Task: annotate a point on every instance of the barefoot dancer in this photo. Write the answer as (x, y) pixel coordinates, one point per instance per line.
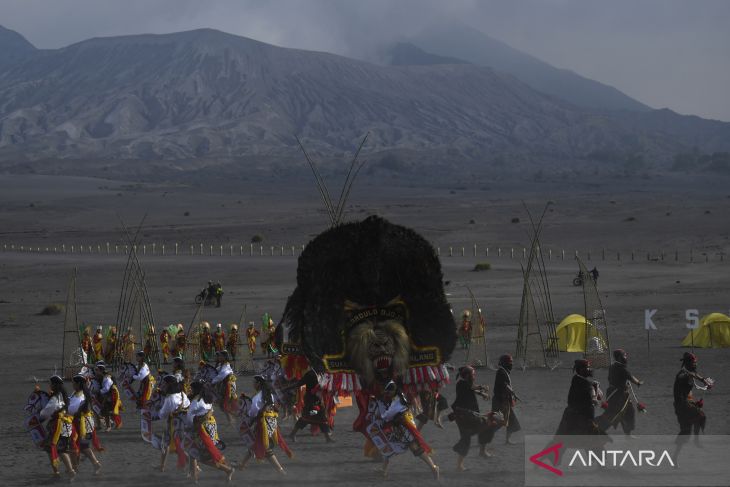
(584, 395)
(467, 417)
(620, 409)
(84, 431)
(111, 402)
(393, 414)
(174, 406)
(433, 404)
(262, 418)
(503, 399)
(58, 428)
(206, 444)
(690, 413)
(181, 374)
(225, 383)
(313, 412)
(146, 380)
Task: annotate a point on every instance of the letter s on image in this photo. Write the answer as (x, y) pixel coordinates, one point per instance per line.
(693, 320)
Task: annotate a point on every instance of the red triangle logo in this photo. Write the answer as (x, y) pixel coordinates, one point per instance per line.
(555, 450)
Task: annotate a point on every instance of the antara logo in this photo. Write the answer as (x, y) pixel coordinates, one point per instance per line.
(555, 450)
(620, 458)
(603, 458)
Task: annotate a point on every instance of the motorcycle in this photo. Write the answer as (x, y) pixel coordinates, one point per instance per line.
(578, 280)
(204, 295)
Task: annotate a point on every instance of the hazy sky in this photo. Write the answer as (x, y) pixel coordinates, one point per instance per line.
(665, 53)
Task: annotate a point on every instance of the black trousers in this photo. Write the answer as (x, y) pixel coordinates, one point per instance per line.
(513, 424)
(691, 419)
(468, 427)
(302, 423)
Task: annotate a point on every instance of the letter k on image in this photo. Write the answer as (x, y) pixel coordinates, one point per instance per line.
(555, 450)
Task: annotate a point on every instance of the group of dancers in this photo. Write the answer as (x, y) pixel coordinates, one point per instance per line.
(105, 345)
(68, 422)
(620, 403)
(390, 419)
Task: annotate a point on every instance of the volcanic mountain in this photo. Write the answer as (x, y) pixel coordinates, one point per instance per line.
(194, 98)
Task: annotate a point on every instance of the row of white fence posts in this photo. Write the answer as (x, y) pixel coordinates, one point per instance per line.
(253, 249)
(662, 256)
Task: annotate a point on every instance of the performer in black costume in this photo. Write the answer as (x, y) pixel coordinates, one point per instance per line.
(579, 416)
(690, 413)
(433, 404)
(504, 398)
(468, 420)
(314, 411)
(620, 408)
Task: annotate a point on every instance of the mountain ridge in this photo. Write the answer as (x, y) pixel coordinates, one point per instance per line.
(464, 42)
(206, 97)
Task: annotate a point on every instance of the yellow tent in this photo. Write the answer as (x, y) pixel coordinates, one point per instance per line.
(572, 334)
(713, 332)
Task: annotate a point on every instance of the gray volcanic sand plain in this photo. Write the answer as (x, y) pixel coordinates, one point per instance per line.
(46, 211)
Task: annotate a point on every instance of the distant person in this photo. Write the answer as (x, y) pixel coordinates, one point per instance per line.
(465, 330)
(232, 343)
(594, 274)
(218, 294)
(97, 342)
(219, 338)
(251, 334)
(180, 340)
(210, 292)
(165, 344)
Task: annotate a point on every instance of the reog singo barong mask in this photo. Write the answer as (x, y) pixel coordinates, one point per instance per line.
(369, 307)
